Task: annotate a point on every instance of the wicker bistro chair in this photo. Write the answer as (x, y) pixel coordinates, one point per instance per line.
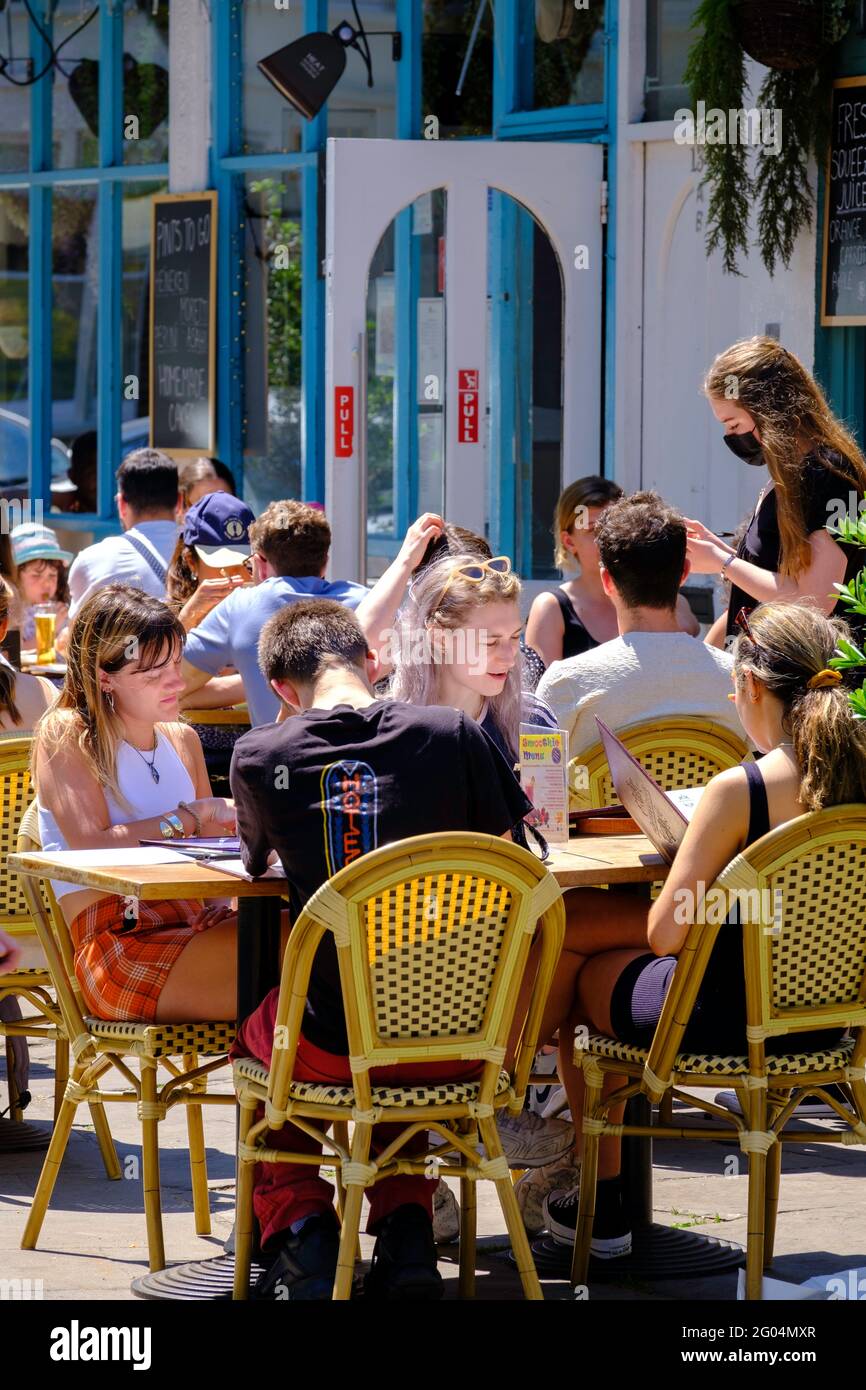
(678, 752)
(432, 936)
(805, 969)
(31, 983)
(97, 1045)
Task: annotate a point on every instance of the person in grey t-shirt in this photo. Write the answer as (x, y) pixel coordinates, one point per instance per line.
(290, 543)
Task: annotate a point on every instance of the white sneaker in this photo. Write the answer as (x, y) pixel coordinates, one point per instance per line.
(528, 1141)
(534, 1186)
(446, 1214)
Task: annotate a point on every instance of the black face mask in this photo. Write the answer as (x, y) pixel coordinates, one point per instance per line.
(745, 446)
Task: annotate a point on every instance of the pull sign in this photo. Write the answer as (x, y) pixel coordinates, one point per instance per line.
(467, 407)
(344, 421)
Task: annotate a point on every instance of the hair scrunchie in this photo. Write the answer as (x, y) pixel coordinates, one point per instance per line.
(824, 679)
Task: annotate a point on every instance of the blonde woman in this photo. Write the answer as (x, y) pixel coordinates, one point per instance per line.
(775, 416)
(113, 766)
(813, 754)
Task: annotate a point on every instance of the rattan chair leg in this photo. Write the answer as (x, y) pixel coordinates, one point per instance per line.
(771, 1201)
(757, 1202)
(513, 1218)
(341, 1137)
(666, 1108)
(50, 1168)
(110, 1160)
(468, 1222)
(586, 1204)
(150, 1166)
(197, 1160)
(361, 1139)
(15, 1110)
(244, 1208)
(61, 1073)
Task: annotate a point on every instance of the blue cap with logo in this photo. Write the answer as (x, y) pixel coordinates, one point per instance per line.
(217, 528)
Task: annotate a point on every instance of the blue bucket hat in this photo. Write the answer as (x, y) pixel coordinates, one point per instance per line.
(217, 528)
(30, 541)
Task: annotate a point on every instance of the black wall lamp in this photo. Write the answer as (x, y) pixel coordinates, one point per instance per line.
(307, 70)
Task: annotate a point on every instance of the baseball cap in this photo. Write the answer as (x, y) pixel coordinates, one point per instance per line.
(31, 541)
(217, 528)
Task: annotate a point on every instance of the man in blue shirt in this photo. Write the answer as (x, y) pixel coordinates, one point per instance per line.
(290, 543)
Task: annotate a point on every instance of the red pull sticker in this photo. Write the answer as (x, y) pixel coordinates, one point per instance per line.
(344, 421)
(467, 407)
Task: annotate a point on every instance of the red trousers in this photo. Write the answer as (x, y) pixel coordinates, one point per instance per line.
(286, 1192)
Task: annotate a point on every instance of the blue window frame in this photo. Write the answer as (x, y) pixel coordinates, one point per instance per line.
(108, 178)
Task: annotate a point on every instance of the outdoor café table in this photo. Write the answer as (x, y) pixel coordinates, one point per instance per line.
(593, 861)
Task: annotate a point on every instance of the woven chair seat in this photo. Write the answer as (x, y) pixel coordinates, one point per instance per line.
(29, 974)
(697, 1064)
(165, 1039)
(448, 1093)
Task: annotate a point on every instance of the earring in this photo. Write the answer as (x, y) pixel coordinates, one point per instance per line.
(109, 699)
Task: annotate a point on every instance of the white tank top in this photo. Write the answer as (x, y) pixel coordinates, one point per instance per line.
(144, 796)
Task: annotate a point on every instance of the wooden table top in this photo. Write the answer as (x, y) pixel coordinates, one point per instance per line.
(591, 860)
(238, 714)
(148, 881)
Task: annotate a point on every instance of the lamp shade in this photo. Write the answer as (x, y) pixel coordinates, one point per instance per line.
(306, 71)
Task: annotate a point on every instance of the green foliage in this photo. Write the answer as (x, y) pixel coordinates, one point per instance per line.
(779, 185)
(848, 531)
(275, 228)
(853, 595)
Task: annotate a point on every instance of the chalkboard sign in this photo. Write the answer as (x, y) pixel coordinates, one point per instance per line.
(183, 324)
(843, 298)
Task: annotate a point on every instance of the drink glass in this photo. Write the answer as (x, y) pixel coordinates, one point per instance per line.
(45, 616)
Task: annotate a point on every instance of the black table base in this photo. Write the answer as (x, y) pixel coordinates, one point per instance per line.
(199, 1280)
(658, 1252)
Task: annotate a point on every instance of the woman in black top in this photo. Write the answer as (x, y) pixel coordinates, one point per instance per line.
(578, 615)
(813, 755)
(775, 414)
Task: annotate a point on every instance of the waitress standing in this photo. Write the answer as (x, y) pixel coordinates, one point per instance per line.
(775, 415)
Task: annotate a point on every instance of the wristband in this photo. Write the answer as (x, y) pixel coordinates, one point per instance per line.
(171, 827)
(732, 556)
(196, 818)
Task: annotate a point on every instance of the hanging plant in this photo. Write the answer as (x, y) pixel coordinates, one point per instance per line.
(794, 39)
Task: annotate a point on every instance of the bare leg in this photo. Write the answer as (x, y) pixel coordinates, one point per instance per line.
(202, 983)
(596, 921)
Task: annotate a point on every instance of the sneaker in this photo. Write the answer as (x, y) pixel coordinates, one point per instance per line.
(611, 1234)
(446, 1214)
(813, 1107)
(528, 1141)
(305, 1266)
(404, 1258)
(534, 1186)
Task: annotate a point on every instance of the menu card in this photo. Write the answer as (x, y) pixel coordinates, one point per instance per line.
(543, 776)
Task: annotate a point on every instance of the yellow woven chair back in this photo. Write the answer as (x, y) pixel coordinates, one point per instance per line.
(16, 791)
(680, 751)
(54, 937)
(801, 896)
(432, 937)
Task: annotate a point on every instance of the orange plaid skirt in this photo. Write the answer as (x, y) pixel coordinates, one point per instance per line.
(122, 961)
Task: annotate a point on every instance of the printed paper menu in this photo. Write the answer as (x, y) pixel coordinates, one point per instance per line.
(543, 776)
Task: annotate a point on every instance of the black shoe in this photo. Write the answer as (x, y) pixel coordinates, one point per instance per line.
(404, 1258)
(611, 1229)
(305, 1265)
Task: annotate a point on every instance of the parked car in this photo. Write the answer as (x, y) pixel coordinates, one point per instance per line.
(15, 452)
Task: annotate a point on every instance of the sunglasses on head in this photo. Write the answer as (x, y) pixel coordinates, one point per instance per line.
(742, 622)
(475, 572)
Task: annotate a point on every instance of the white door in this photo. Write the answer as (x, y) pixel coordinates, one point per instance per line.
(369, 182)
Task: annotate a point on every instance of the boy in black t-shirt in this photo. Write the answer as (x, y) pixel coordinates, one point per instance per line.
(347, 774)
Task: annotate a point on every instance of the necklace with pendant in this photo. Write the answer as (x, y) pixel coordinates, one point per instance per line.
(149, 765)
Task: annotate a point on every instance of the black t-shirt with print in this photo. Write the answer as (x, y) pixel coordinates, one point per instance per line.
(325, 787)
(823, 492)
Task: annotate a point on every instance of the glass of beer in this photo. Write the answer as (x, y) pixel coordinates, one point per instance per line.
(45, 616)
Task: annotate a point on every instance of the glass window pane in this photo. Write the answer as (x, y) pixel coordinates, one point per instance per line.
(272, 339)
(354, 109)
(444, 46)
(562, 54)
(14, 335)
(14, 100)
(145, 82)
(75, 290)
(669, 38)
(75, 91)
(270, 124)
(135, 316)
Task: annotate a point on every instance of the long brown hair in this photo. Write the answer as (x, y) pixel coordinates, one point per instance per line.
(791, 412)
(62, 593)
(118, 625)
(791, 644)
(592, 491)
(7, 673)
(182, 578)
